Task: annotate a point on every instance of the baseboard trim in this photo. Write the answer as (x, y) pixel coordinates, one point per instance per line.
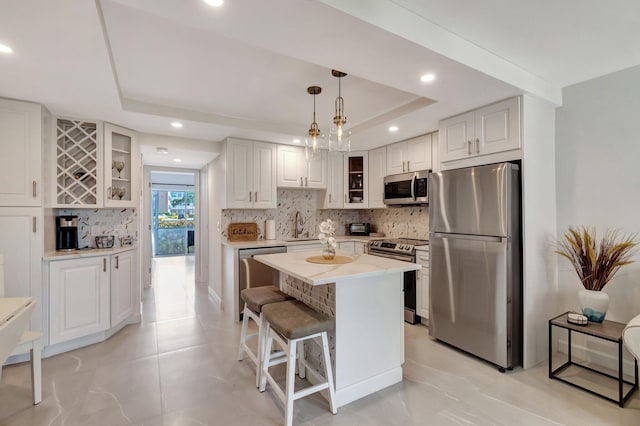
(214, 297)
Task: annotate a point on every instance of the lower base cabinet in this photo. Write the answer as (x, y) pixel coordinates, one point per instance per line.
(422, 284)
(123, 273)
(78, 298)
(91, 295)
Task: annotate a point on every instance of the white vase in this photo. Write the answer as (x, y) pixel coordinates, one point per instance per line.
(594, 304)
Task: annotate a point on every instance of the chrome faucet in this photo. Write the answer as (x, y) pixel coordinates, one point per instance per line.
(297, 222)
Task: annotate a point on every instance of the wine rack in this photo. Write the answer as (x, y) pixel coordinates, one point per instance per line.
(78, 146)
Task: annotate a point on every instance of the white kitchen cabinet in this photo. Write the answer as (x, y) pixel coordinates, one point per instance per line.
(79, 298)
(123, 286)
(409, 156)
(422, 283)
(21, 142)
(356, 180)
(121, 167)
(360, 248)
(295, 170)
(21, 244)
(377, 172)
(251, 174)
(488, 130)
(303, 247)
(347, 246)
(333, 197)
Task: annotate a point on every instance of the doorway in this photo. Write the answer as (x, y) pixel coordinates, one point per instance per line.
(171, 213)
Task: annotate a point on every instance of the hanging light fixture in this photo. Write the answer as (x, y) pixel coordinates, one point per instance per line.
(340, 135)
(314, 140)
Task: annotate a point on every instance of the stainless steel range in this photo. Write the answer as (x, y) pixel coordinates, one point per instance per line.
(401, 249)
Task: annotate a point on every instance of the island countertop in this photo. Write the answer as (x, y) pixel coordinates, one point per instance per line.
(363, 265)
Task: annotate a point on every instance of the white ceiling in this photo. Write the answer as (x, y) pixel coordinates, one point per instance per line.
(242, 70)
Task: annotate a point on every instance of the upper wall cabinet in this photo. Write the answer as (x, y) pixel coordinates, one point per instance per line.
(122, 167)
(410, 155)
(92, 165)
(333, 197)
(251, 175)
(21, 135)
(296, 171)
(356, 180)
(489, 130)
(77, 164)
(377, 169)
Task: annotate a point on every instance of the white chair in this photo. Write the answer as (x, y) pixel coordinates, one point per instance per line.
(14, 340)
(631, 337)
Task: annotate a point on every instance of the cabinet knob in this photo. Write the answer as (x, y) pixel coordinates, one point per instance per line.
(469, 147)
(329, 198)
(306, 182)
(408, 167)
(477, 146)
(34, 225)
(250, 197)
(35, 191)
(104, 264)
(255, 198)
(117, 262)
(301, 181)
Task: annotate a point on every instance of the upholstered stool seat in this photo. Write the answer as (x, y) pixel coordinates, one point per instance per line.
(290, 324)
(254, 300)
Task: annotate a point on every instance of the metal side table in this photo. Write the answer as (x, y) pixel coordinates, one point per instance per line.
(607, 330)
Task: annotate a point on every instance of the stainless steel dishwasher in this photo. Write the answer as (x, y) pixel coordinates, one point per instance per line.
(268, 275)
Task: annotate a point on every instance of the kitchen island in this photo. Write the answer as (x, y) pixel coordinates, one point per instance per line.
(365, 297)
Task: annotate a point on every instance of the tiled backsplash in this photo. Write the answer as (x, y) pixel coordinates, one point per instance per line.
(116, 222)
(411, 222)
(398, 222)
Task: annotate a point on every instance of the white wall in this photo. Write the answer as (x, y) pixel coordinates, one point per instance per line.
(598, 173)
(538, 227)
(216, 172)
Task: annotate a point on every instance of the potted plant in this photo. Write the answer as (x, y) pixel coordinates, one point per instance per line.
(596, 262)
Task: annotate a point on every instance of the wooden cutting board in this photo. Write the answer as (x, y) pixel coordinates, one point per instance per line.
(242, 231)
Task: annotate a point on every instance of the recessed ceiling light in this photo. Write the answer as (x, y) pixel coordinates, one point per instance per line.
(5, 49)
(177, 160)
(296, 141)
(162, 150)
(214, 3)
(393, 128)
(176, 125)
(427, 77)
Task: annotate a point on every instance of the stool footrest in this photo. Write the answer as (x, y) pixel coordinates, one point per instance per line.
(311, 389)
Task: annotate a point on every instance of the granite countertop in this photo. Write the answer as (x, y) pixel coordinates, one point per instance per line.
(310, 240)
(91, 252)
(363, 265)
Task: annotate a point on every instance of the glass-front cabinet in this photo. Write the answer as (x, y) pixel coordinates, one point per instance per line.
(121, 158)
(356, 169)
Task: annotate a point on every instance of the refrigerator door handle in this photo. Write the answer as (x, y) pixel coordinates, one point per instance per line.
(489, 239)
(414, 179)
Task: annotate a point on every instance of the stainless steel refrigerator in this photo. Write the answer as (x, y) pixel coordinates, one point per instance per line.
(476, 261)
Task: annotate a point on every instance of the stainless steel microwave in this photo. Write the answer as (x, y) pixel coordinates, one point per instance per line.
(406, 188)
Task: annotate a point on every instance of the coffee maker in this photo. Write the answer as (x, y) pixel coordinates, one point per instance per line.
(66, 233)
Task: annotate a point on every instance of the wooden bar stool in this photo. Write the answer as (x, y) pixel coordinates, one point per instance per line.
(290, 324)
(254, 299)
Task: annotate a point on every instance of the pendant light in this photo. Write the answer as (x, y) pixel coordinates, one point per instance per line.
(339, 135)
(314, 140)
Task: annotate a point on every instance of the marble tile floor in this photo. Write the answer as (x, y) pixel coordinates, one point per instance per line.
(178, 367)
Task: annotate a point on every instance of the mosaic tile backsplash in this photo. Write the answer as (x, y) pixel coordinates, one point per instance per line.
(410, 222)
(117, 222)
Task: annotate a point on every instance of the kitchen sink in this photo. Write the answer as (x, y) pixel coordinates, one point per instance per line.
(293, 240)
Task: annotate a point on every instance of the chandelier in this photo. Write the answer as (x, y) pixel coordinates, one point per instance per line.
(339, 135)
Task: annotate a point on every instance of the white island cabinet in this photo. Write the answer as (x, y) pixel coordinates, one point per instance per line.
(366, 299)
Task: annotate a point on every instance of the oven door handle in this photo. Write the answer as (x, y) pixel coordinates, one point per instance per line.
(414, 181)
(392, 256)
